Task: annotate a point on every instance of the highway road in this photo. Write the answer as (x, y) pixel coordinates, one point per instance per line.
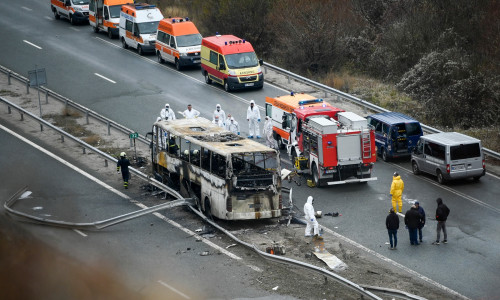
(137, 88)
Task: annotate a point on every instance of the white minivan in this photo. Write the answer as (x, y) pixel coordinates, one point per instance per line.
(449, 155)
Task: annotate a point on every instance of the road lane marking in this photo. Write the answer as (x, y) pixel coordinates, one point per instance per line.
(80, 233)
(173, 289)
(75, 29)
(26, 8)
(108, 187)
(49, 18)
(31, 44)
(105, 78)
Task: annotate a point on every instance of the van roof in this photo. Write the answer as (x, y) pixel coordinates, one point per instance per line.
(393, 118)
(227, 44)
(115, 2)
(450, 138)
(178, 27)
(134, 8)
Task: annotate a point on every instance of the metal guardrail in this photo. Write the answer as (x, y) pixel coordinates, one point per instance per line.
(355, 100)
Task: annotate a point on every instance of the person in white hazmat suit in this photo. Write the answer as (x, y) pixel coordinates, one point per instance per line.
(268, 134)
(311, 218)
(190, 112)
(253, 118)
(233, 126)
(167, 113)
(220, 114)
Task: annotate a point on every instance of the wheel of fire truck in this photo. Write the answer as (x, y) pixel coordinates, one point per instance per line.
(208, 209)
(139, 50)
(414, 167)
(110, 33)
(440, 177)
(227, 88)
(158, 56)
(56, 14)
(384, 155)
(207, 78)
(315, 174)
(178, 64)
(124, 44)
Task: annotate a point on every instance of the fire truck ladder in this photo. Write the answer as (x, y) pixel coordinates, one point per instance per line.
(366, 144)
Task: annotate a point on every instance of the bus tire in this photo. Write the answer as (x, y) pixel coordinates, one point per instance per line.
(124, 43)
(207, 78)
(178, 64)
(315, 174)
(208, 209)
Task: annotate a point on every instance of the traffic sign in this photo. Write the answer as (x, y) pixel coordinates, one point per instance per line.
(133, 135)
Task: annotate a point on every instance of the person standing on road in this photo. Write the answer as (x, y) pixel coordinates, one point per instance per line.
(392, 225)
(253, 118)
(167, 113)
(412, 221)
(268, 133)
(442, 212)
(232, 125)
(422, 222)
(219, 115)
(311, 222)
(123, 163)
(190, 112)
(397, 188)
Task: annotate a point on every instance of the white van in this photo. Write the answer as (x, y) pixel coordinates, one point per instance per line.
(76, 11)
(449, 155)
(104, 15)
(138, 26)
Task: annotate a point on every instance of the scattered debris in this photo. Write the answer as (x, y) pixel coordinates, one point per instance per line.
(276, 288)
(333, 214)
(204, 253)
(208, 235)
(332, 261)
(198, 230)
(37, 208)
(232, 245)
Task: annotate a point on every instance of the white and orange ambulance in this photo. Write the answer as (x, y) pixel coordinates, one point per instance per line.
(231, 62)
(105, 15)
(138, 26)
(75, 10)
(178, 41)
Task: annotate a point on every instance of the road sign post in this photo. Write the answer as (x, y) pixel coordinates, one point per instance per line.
(133, 136)
(37, 77)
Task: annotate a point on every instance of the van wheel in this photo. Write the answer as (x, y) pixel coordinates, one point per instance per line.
(177, 65)
(440, 177)
(160, 59)
(124, 44)
(110, 34)
(56, 14)
(208, 210)
(139, 50)
(476, 178)
(315, 175)
(207, 79)
(226, 86)
(384, 155)
(95, 28)
(279, 141)
(415, 168)
(72, 20)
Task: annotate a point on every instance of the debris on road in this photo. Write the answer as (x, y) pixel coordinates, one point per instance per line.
(232, 245)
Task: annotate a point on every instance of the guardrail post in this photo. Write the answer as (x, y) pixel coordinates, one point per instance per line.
(326, 94)
(338, 98)
(46, 96)
(106, 163)
(130, 143)
(265, 70)
(288, 79)
(27, 87)
(41, 127)
(109, 128)
(8, 77)
(22, 117)
(83, 150)
(62, 138)
(8, 110)
(65, 103)
(87, 116)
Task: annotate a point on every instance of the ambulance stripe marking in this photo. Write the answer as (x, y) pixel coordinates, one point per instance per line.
(99, 75)
(32, 44)
(26, 8)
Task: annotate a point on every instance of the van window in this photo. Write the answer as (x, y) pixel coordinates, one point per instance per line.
(147, 27)
(386, 128)
(92, 6)
(114, 11)
(242, 60)
(160, 36)
(172, 42)
(269, 110)
(221, 61)
(213, 57)
(128, 25)
(106, 13)
(189, 40)
(435, 150)
(378, 127)
(465, 151)
(413, 129)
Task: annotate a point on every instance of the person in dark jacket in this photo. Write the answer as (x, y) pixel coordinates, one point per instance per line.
(392, 225)
(412, 221)
(422, 223)
(442, 213)
(124, 163)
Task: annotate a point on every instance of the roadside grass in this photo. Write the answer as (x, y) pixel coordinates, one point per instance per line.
(172, 11)
(112, 150)
(8, 93)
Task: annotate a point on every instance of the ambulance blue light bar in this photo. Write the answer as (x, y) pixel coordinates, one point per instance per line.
(305, 102)
(144, 6)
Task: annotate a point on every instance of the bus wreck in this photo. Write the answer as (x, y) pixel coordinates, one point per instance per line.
(230, 177)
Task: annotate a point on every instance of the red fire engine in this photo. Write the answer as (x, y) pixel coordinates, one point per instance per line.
(334, 146)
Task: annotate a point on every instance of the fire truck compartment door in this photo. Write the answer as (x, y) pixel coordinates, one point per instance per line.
(349, 149)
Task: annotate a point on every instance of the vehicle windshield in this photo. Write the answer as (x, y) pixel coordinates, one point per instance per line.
(254, 169)
(242, 60)
(148, 27)
(114, 11)
(189, 40)
(80, 2)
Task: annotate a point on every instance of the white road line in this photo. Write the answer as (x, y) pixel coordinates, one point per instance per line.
(209, 243)
(278, 87)
(79, 232)
(173, 289)
(26, 8)
(29, 43)
(49, 18)
(75, 29)
(99, 75)
(492, 175)
(396, 264)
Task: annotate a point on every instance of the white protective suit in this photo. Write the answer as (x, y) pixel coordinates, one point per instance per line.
(218, 112)
(233, 126)
(191, 114)
(218, 121)
(310, 218)
(167, 113)
(268, 134)
(253, 117)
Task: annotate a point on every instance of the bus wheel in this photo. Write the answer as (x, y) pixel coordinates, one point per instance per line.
(56, 14)
(124, 44)
(139, 50)
(208, 209)
(178, 64)
(226, 86)
(315, 175)
(207, 79)
(384, 155)
(440, 177)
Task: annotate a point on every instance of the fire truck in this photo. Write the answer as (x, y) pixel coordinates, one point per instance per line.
(332, 145)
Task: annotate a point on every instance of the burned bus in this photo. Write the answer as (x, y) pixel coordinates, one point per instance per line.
(230, 177)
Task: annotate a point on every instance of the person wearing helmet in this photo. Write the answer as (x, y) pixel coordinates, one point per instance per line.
(397, 188)
(123, 163)
(253, 118)
(190, 112)
(220, 115)
(167, 113)
(311, 219)
(173, 148)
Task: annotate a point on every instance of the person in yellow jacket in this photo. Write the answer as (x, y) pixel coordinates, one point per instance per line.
(397, 188)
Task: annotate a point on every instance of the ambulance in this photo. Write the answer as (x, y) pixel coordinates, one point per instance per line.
(138, 26)
(105, 15)
(178, 41)
(231, 62)
(75, 10)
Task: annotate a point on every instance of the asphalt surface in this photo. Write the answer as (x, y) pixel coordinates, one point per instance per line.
(72, 55)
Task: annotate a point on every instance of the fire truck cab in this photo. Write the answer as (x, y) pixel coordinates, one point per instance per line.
(334, 146)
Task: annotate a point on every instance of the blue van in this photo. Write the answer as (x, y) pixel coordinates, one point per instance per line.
(396, 134)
